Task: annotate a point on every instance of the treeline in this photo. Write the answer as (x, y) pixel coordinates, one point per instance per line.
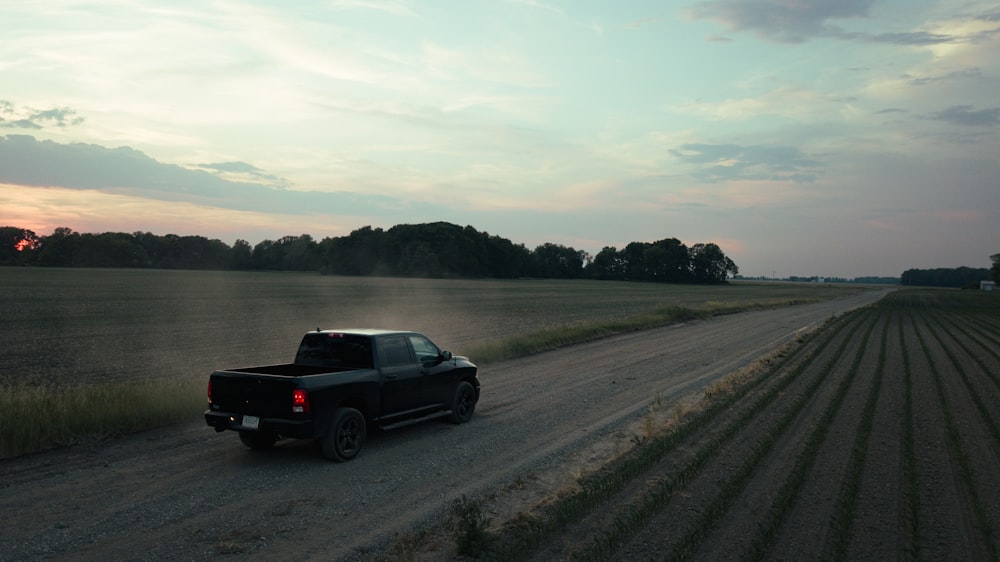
(868, 280)
(945, 277)
(424, 250)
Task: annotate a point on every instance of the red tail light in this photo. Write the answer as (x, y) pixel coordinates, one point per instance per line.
(209, 392)
(300, 401)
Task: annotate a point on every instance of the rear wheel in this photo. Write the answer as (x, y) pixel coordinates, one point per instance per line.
(258, 439)
(346, 435)
(463, 405)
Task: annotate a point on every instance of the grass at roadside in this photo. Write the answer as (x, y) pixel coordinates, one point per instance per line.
(546, 340)
(33, 418)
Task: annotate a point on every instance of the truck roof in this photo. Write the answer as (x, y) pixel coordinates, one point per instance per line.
(362, 331)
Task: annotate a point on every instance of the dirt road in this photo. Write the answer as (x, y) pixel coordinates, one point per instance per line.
(187, 493)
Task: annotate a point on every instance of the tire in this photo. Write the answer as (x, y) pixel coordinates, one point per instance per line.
(463, 405)
(346, 435)
(257, 440)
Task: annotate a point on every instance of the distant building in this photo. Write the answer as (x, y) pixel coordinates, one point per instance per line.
(987, 286)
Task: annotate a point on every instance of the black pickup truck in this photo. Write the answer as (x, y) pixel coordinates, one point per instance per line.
(341, 383)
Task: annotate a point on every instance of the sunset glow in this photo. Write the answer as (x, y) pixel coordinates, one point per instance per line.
(844, 139)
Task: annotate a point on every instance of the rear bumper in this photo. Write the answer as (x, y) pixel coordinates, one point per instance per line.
(299, 429)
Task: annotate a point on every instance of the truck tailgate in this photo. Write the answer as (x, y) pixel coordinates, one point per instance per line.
(254, 394)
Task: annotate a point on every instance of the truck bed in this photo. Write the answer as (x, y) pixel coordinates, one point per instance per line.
(290, 370)
(266, 391)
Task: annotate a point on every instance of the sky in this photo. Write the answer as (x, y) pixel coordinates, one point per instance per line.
(836, 138)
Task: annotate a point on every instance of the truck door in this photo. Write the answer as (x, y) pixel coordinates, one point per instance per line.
(400, 374)
(438, 382)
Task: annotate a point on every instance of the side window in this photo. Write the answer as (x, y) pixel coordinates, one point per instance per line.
(425, 350)
(395, 351)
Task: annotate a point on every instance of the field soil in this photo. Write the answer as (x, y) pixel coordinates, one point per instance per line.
(876, 440)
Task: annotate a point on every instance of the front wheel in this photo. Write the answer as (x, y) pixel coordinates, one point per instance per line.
(346, 435)
(463, 405)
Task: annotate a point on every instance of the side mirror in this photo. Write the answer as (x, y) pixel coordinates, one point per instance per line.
(445, 355)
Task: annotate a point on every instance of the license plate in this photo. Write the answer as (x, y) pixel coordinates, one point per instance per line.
(251, 422)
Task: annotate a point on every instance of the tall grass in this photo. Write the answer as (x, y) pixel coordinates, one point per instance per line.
(42, 416)
(554, 338)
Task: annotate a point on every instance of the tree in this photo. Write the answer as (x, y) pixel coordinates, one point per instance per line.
(668, 261)
(57, 249)
(16, 245)
(607, 264)
(241, 256)
(290, 253)
(438, 249)
(944, 277)
(558, 262)
(710, 265)
(300, 254)
(633, 262)
(359, 253)
(505, 259)
(108, 249)
(995, 269)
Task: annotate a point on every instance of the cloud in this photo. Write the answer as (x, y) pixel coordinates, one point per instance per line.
(243, 171)
(785, 21)
(13, 118)
(911, 38)
(238, 167)
(965, 73)
(966, 115)
(780, 20)
(993, 16)
(59, 116)
(126, 171)
(721, 162)
(18, 124)
(787, 101)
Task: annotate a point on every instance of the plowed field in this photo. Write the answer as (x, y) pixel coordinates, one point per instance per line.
(878, 438)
